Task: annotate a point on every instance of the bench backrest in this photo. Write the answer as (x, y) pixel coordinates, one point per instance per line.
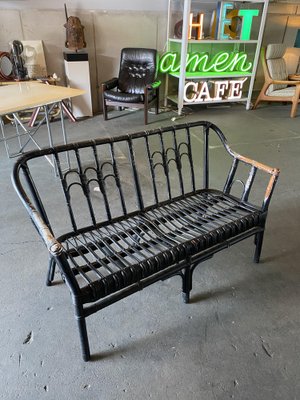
(116, 176)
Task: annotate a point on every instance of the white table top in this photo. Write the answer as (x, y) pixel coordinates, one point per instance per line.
(24, 95)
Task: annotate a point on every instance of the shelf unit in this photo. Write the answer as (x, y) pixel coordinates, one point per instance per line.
(183, 46)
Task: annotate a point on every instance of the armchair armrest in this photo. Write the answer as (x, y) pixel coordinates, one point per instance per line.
(111, 84)
(294, 77)
(154, 85)
(278, 82)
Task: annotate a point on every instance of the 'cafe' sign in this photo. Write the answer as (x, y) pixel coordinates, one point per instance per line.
(197, 92)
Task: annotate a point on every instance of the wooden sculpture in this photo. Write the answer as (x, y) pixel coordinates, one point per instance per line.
(74, 33)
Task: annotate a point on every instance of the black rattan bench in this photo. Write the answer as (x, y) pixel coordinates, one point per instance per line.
(139, 208)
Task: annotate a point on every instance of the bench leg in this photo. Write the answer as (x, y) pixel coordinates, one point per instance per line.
(187, 276)
(51, 271)
(258, 245)
(84, 341)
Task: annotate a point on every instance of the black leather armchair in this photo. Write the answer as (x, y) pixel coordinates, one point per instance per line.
(136, 86)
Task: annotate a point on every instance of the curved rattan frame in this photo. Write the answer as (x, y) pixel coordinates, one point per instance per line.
(182, 213)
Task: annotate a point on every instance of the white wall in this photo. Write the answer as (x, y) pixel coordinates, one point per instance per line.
(106, 33)
(141, 5)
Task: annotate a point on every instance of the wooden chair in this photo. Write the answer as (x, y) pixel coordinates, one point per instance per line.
(277, 87)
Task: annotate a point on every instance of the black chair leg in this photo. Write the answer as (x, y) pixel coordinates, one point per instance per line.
(104, 110)
(146, 114)
(258, 246)
(146, 105)
(51, 272)
(187, 276)
(157, 102)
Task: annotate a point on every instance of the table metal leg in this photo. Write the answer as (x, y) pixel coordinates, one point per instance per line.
(63, 128)
(4, 137)
(31, 130)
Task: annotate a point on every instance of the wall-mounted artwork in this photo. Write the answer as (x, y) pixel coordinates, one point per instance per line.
(33, 54)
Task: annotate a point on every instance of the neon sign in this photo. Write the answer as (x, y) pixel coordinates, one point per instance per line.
(247, 22)
(197, 92)
(201, 62)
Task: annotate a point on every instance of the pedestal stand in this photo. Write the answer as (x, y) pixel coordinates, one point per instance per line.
(78, 76)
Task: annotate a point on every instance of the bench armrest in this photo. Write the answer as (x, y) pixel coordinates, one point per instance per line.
(54, 247)
(274, 172)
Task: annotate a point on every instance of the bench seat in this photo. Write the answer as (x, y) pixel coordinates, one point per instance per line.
(122, 253)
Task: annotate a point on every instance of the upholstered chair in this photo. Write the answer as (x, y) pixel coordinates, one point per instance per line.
(277, 86)
(136, 86)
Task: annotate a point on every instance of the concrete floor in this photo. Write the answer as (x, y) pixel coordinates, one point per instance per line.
(239, 337)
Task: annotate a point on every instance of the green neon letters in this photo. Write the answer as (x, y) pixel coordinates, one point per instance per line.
(202, 62)
(225, 20)
(247, 22)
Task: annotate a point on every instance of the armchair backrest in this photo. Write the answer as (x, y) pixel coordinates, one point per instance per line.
(276, 64)
(137, 69)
